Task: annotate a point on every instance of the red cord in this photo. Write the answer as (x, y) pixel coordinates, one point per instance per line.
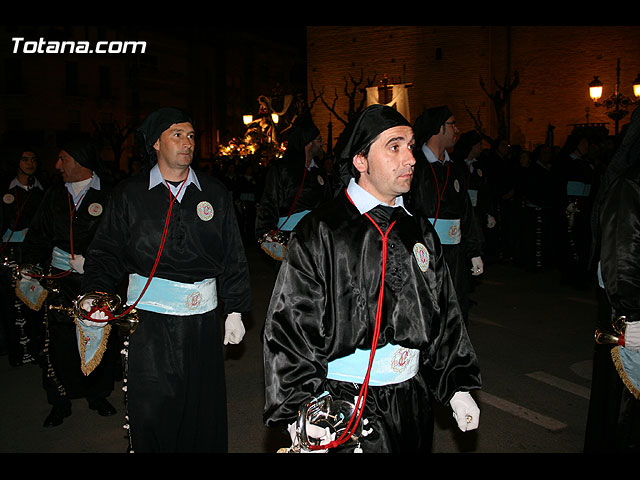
(155, 265)
(440, 194)
(362, 395)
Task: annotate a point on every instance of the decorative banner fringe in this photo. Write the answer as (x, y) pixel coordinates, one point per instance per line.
(88, 365)
(620, 367)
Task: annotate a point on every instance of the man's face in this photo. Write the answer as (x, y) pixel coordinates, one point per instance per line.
(71, 170)
(175, 146)
(449, 132)
(387, 171)
(315, 146)
(28, 163)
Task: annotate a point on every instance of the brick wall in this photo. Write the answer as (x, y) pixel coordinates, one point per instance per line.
(445, 65)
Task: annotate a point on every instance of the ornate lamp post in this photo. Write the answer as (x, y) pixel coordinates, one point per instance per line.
(617, 103)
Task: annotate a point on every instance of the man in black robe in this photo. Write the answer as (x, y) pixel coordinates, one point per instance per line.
(363, 277)
(613, 421)
(295, 184)
(178, 279)
(20, 200)
(439, 193)
(58, 236)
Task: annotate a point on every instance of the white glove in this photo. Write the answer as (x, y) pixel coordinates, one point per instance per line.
(233, 329)
(313, 431)
(97, 315)
(491, 221)
(632, 336)
(477, 267)
(465, 411)
(77, 263)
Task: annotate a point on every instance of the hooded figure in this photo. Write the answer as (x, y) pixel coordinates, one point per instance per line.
(364, 278)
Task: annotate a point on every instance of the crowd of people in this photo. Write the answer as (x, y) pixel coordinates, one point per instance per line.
(420, 196)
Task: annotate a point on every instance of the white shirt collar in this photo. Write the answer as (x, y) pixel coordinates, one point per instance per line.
(16, 183)
(432, 156)
(77, 197)
(365, 202)
(155, 178)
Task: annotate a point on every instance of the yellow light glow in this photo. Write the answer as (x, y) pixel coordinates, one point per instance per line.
(595, 89)
(275, 118)
(247, 119)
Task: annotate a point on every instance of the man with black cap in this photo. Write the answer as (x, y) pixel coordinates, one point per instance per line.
(439, 193)
(57, 240)
(174, 234)
(20, 199)
(364, 313)
(295, 184)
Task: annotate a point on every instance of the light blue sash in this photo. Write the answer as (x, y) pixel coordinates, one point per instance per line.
(448, 230)
(391, 364)
(474, 196)
(173, 298)
(287, 225)
(17, 236)
(60, 259)
(578, 189)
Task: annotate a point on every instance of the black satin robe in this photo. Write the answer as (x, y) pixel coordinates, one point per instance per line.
(283, 180)
(21, 324)
(613, 423)
(323, 307)
(456, 203)
(176, 385)
(51, 227)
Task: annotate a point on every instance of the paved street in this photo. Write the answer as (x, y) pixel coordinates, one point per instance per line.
(533, 337)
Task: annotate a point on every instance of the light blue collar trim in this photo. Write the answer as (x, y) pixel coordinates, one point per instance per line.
(365, 202)
(155, 178)
(431, 157)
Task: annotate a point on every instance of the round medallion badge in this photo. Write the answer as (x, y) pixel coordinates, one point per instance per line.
(95, 209)
(422, 256)
(320, 180)
(8, 198)
(205, 211)
(456, 185)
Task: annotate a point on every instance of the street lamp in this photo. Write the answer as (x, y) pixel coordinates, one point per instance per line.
(617, 103)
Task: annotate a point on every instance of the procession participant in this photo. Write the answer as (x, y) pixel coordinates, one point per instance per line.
(59, 235)
(364, 278)
(613, 421)
(439, 193)
(179, 278)
(20, 199)
(295, 184)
